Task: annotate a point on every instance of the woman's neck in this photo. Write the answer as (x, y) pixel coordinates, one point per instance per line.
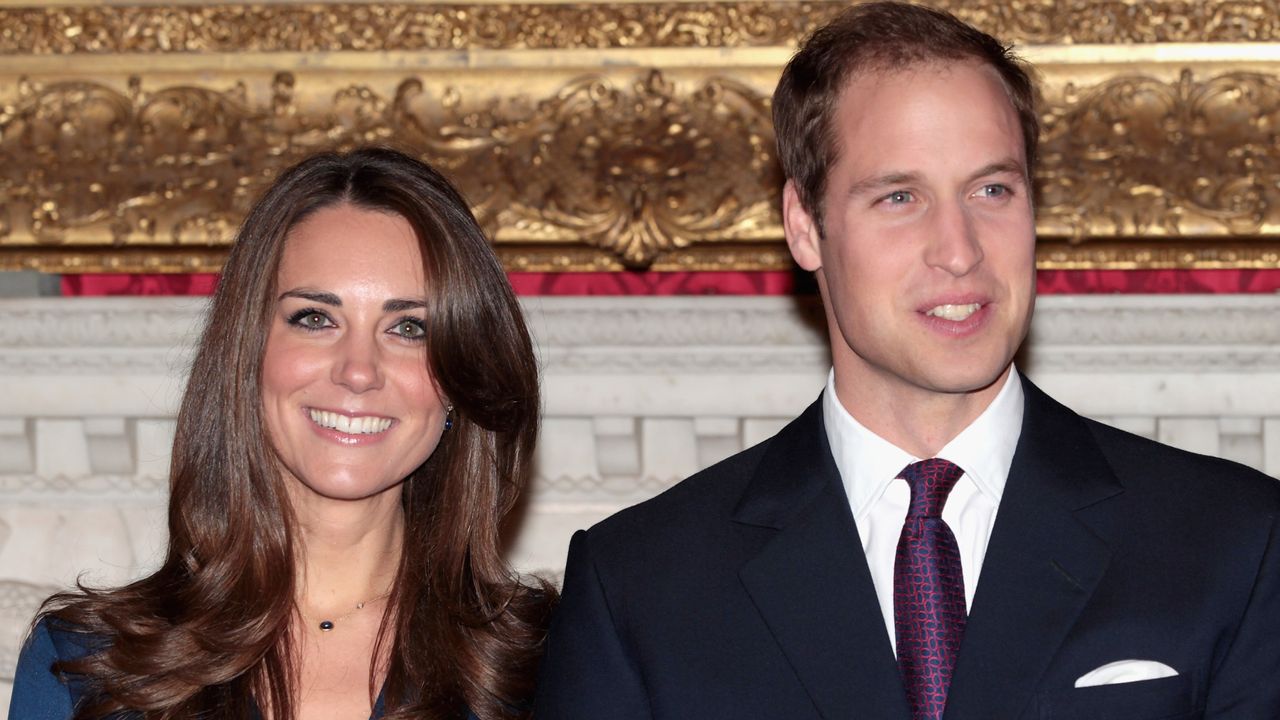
(349, 551)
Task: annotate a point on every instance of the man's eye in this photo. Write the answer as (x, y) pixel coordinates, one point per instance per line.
(409, 328)
(994, 191)
(898, 197)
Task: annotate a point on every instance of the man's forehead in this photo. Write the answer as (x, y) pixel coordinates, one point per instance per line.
(899, 120)
(874, 75)
(888, 88)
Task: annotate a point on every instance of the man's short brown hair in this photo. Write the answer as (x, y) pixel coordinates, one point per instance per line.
(876, 36)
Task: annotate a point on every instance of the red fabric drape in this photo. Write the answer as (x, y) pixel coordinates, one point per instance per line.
(1049, 282)
(139, 284)
(1156, 282)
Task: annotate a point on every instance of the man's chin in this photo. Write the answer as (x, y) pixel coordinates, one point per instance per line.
(964, 381)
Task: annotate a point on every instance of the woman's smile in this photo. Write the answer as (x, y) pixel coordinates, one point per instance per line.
(349, 424)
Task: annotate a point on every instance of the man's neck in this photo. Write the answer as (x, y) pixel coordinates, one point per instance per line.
(914, 419)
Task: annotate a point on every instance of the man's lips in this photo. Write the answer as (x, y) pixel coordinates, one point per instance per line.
(955, 307)
(956, 313)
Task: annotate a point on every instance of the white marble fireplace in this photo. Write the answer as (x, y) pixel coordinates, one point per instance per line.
(639, 392)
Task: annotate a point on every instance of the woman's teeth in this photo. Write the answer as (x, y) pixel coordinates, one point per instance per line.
(954, 312)
(367, 425)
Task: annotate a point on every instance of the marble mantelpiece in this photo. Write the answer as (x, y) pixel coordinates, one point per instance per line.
(639, 392)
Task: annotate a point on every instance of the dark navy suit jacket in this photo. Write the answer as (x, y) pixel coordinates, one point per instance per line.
(743, 592)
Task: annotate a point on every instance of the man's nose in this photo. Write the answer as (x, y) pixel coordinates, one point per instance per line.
(357, 362)
(954, 245)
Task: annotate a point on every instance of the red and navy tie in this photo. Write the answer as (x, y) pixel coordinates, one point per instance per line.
(928, 590)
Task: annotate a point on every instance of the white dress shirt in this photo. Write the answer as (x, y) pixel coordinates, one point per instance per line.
(869, 466)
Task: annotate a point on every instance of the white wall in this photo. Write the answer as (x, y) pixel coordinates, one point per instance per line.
(639, 392)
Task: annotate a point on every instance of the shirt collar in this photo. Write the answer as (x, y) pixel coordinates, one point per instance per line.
(868, 463)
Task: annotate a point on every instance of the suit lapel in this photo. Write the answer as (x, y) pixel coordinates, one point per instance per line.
(1048, 550)
(811, 583)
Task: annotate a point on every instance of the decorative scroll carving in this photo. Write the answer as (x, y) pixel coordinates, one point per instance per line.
(1137, 255)
(148, 486)
(227, 27)
(1135, 156)
(636, 169)
(645, 144)
(82, 154)
(644, 169)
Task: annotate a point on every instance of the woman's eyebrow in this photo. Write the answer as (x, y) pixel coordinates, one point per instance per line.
(402, 304)
(313, 295)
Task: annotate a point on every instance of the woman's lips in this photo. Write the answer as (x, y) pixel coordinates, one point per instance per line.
(355, 425)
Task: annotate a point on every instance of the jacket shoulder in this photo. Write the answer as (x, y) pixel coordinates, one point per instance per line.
(704, 497)
(1147, 466)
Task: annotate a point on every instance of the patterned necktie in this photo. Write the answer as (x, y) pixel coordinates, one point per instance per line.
(928, 590)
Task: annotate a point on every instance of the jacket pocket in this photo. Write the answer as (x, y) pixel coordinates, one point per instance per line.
(1161, 699)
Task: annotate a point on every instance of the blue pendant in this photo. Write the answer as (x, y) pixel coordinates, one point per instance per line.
(326, 625)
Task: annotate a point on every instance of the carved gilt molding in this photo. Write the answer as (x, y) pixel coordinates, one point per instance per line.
(643, 141)
(334, 27)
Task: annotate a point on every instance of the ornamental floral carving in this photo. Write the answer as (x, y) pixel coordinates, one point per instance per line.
(634, 166)
(360, 27)
(1136, 156)
(637, 169)
(80, 154)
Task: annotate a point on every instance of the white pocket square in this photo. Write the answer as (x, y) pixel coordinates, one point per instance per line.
(1125, 671)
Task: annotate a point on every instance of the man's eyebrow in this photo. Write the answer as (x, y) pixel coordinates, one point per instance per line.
(313, 295)
(403, 304)
(881, 182)
(891, 179)
(1007, 166)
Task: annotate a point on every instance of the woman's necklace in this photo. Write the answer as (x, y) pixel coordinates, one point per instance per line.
(327, 625)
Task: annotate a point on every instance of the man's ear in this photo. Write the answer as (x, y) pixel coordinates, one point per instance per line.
(801, 230)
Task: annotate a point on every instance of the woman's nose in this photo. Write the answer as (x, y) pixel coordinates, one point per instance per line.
(357, 365)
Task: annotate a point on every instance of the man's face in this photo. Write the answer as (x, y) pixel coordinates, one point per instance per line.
(927, 268)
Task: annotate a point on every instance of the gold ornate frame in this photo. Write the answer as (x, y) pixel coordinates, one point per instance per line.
(600, 136)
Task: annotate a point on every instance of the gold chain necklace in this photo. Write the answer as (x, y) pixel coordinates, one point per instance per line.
(327, 625)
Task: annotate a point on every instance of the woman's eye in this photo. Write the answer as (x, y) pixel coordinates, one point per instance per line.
(310, 320)
(409, 328)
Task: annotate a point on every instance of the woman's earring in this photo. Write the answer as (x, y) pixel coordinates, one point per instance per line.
(448, 417)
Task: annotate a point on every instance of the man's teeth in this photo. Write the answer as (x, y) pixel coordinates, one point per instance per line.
(954, 312)
(367, 425)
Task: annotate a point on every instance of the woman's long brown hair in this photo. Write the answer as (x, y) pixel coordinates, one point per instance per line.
(207, 635)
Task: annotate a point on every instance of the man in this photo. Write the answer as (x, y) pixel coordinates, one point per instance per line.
(934, 534)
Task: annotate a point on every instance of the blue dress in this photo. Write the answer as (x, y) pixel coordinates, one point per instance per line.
(38, 694)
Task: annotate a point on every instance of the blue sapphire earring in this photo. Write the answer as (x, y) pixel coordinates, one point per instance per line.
(448, 418)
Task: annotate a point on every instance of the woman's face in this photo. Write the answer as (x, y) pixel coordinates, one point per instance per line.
(348, 401)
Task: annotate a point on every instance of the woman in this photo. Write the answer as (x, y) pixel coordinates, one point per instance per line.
(358, 420)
